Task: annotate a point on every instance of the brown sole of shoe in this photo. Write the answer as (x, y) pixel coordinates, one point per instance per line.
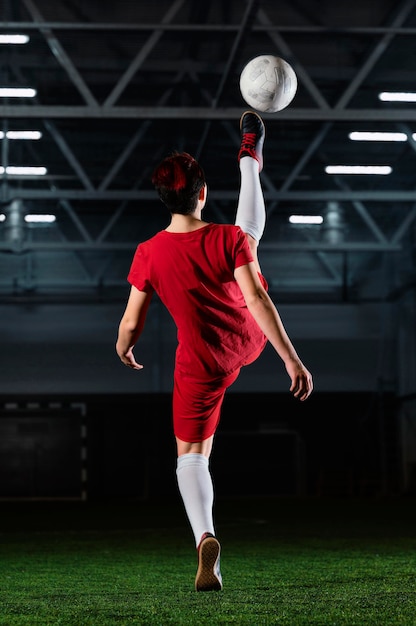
(209, 554)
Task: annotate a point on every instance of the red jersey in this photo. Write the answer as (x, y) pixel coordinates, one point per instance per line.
(193, 275)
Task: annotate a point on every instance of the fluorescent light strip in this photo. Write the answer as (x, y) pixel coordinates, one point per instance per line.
(19, 39)
(35, 218)
(21, 134)
(14, 170)
(40, 219)
(379, 170)
(306, 219)
(376, 136)
(397, 96)
(17, 92)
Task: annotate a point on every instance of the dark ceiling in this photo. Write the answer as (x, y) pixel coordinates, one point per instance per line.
(120, 84)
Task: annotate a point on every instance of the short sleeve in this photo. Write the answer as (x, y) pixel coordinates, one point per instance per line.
(243, 254)
(138, 275)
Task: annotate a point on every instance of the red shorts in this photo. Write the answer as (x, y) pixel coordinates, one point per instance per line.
(197, 406)
(197, 403)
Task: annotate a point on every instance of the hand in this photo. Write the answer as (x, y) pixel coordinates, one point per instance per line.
(302, 383)
(129, 360)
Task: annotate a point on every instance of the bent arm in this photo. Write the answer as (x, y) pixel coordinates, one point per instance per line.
(267, 317)
(131, 326)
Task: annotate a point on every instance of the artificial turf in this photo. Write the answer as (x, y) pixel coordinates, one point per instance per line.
(285, 561)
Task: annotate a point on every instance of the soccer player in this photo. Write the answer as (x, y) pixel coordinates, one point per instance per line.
(208, 276)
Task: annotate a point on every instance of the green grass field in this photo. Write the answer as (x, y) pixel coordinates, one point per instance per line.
(284, 561)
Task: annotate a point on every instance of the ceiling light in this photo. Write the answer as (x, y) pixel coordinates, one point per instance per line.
(19, 39)
(14, 170)
(306, 219)
(397, 96)
(17, 92)
(37, 218)
(359, 169)
(377, 136)
(21, 134)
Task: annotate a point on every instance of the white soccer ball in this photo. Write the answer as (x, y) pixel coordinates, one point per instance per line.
(268, 83)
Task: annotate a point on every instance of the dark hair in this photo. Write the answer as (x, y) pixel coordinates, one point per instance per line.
(178, 179)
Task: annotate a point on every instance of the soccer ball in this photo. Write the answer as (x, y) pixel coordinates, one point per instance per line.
(268, 83)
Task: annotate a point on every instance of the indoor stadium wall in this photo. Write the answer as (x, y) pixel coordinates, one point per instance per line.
(58, 364)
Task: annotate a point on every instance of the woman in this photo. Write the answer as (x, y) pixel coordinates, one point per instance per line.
(208, 276)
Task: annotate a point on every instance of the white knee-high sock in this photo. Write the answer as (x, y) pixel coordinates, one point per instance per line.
(251, 212)
(196, 489)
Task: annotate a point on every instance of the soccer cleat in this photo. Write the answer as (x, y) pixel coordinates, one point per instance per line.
(252, 137)
(208, 576)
